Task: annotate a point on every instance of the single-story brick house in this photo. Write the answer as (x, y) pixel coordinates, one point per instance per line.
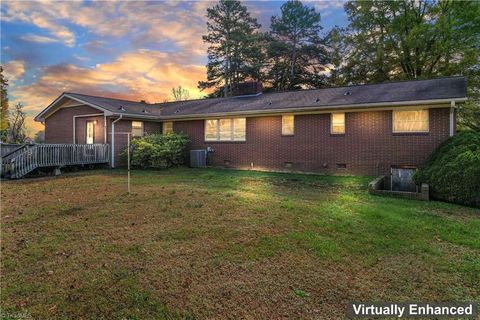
(359, 129)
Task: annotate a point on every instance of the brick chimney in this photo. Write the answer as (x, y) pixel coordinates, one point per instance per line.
(248, 88)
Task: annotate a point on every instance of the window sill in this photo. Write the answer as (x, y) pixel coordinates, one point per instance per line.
(337, 134)
(288, 135)
(219, 142)
(410, 133)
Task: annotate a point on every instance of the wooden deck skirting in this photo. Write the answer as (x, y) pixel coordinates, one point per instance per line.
(30, 157)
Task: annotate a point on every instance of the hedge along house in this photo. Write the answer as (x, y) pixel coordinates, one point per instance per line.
(360, 129)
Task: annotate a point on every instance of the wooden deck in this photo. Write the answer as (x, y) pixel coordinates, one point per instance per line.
(30, 157)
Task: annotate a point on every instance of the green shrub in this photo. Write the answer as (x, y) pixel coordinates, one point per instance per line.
(159, 150)
(453, 170)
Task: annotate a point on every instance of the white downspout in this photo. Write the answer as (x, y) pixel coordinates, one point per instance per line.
(113, 140)
(74, 133)
(104, 129)
(452, 116)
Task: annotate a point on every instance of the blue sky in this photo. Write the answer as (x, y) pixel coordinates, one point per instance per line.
(132, 50)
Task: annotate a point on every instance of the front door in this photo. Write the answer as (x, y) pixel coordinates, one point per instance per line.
(90, 132)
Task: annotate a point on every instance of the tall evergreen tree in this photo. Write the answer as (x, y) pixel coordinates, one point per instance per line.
(411, 39)
(296, 52)
(234, 53)
(335, 43)
(4, 123)
(408, 39)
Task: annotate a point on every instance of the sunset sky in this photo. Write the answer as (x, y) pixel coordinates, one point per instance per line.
(131, 50)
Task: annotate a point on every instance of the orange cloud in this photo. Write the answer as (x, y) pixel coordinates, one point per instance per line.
(139, 74)
(143, 74)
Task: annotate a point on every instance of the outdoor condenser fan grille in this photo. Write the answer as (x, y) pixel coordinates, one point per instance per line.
(198, 158)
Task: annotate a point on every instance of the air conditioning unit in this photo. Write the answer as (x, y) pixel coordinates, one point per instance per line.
(198, 158)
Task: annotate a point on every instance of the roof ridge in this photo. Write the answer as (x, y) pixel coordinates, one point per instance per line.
(370, 84)
(168, 103)
(313, 89)
(103, 97)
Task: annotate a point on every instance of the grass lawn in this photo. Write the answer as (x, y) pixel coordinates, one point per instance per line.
(217, 244)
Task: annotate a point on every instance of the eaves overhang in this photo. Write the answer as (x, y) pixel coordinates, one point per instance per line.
(320, 109)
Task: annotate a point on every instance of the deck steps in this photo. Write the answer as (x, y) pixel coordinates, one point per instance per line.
(22, 161)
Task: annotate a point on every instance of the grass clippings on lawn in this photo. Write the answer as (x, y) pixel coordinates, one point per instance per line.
(216, 244)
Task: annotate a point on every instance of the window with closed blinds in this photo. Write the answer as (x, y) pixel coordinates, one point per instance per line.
(167, 127)
(137, 128)
(239, 126)
(410, 121)
(211, 130)
(338, 123)
(288, 125)
(226, 129)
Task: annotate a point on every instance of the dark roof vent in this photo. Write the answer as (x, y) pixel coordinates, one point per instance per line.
(318, 99)
(347, 93)
(121, 108)
(177, 111)
(270, 102)
(144, 111)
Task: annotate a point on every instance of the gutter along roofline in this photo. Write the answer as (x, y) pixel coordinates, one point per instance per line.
(262, 112)
(319, 109)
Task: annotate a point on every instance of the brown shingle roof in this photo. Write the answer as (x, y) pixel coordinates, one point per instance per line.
(328, 98)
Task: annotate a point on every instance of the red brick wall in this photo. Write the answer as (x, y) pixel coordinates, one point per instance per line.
(122, 127)
(59, 129)
(59, 126)
(368, 146)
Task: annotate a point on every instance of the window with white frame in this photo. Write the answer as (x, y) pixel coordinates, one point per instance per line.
(167, 127)
(137, 128)
(337, 123)
(410, 121)
(225, 129)
(288, 125)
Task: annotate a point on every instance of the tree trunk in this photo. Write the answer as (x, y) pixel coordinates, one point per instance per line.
(292, 67)
(225, 90)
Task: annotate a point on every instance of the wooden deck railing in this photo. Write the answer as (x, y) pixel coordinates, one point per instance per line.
(54, 155)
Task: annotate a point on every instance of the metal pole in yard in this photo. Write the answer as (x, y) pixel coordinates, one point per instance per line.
(128, 161)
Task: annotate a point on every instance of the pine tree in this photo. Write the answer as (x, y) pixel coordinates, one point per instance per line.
(392, 40)
(296, 51)
(411, 39)
(234, 53)
(336, 52)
